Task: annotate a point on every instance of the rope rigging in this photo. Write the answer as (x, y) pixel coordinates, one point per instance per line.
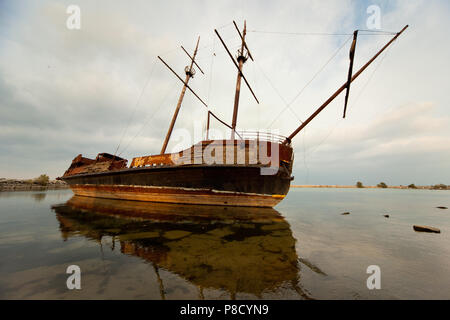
(185, 84)
(146, 121)
(369, 32)
(354, 104)
(136, 105)
(339, 121)
(213, 47)
(288, 105)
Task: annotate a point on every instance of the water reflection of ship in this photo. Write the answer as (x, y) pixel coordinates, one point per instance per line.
(238, 250)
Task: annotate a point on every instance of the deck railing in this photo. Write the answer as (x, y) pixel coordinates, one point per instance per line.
(192, 153)
(259, 135)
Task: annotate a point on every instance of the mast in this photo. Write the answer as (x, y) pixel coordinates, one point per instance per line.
(241, 59)
(342, 88)
(189, 74)
(350, 69)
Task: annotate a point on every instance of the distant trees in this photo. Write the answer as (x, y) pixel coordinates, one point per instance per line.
(439, 187)
(383, 185)
(42, 180)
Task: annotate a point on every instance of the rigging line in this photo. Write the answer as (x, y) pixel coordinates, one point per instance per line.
(376, 34)
(380, 32)
(136, 105)
(210, 76)
(354, 102)
(152, 115)
(170, 51)
(183, 81)
(218, 53)
(221, 121)
(309, 82)
(146, 121)
(255, 80)
(327, 136)
(224, 123)
(320, 70)
(211, 69)
(212, 43)
(372, 74)
(275, 89)
(303, 33)
(271, 84)
(206, 45)
(199, 48)
(225, 25)
(304, 158)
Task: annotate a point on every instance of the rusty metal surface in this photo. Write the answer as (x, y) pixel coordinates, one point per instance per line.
(102, 163)
(195, 154)
(177, 195)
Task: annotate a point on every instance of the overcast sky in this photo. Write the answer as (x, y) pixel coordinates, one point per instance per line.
(65, 92)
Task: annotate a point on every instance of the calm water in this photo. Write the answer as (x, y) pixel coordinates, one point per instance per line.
(305, 249)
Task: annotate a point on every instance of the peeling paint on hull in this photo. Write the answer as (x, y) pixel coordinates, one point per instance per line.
(177, 195)
(209, 185)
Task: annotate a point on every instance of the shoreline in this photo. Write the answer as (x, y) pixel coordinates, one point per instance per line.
(7, 185)
(28, 185)
(368, 187)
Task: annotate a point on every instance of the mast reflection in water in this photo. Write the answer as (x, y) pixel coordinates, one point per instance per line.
(232, 249)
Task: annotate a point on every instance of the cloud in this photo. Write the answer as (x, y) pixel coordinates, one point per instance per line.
(407, 141)
(65, 92)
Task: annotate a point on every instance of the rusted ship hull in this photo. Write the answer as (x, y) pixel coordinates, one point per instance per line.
(233, 173)
(212, 172)
(202, 184)
(259, 175)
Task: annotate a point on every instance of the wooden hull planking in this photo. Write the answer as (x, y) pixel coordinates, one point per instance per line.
(177, 195)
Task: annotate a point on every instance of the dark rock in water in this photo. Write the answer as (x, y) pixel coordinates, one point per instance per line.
(386, 215)
(442, 207)
(426, 229)
(345, 213)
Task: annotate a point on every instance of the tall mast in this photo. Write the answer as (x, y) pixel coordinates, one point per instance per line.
(241, 60)
(189, 74)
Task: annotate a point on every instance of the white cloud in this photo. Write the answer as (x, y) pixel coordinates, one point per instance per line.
(67, 92)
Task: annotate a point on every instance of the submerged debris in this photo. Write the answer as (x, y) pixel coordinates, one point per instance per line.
(426, 229)
(311, 266)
